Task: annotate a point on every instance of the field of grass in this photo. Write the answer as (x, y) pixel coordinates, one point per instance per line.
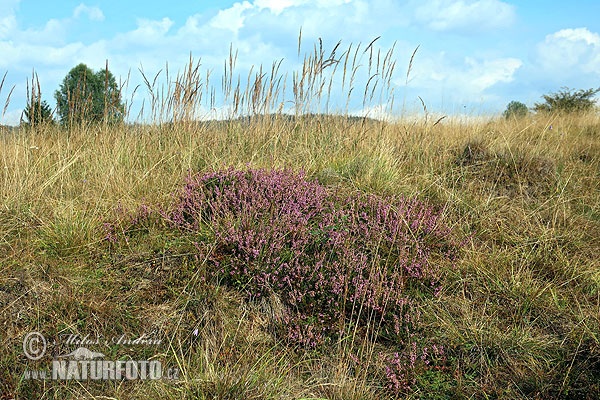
(488, 288)
(518, 315)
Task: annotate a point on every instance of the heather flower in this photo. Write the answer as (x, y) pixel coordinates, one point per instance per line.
(401, 368)
(323, 253)
(333, 259)
(109, 232)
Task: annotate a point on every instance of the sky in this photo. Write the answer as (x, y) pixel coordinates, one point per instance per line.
(473, 56)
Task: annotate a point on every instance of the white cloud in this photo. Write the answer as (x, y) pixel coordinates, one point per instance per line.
(579, 34)
(93, 13)
(472, 76)
(483, 75)
(331, 20)
(149, 33)
(232, 18)
(153, 28)
(277, 6)
(8, 25)
(465, 15)
(8, 7)
(12, 117)
(8, 21)
(569, 52)
(380, 112)
(445, 83)
(53, 33)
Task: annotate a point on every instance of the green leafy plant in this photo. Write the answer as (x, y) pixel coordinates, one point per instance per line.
(37, 112)
(567, 100)
(88, 96)
(515, 109)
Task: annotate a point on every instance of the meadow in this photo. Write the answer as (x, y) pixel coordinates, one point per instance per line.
(306, 256)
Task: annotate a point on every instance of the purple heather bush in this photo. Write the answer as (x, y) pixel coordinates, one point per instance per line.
(331, 258)
(336, 261)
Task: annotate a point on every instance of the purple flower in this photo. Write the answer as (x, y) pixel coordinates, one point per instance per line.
(332, 259)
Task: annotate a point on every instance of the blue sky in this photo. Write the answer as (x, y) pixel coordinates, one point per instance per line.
(474, 55)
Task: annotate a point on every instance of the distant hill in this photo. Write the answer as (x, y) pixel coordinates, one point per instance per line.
(303, 117)
(289, 118)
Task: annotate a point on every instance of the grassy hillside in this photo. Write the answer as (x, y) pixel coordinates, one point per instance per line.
(86, 248)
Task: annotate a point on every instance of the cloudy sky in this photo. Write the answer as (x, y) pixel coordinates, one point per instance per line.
(474, 56)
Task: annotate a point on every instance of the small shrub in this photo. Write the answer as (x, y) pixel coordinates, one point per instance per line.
(37, 112)
(509, 173)
(474, 153)
(567, 100)
(515, 109)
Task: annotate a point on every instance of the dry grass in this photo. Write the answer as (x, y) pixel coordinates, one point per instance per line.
(519, 316)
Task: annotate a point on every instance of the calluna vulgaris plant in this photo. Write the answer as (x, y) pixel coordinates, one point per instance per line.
(334, 261)
(400, 368)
